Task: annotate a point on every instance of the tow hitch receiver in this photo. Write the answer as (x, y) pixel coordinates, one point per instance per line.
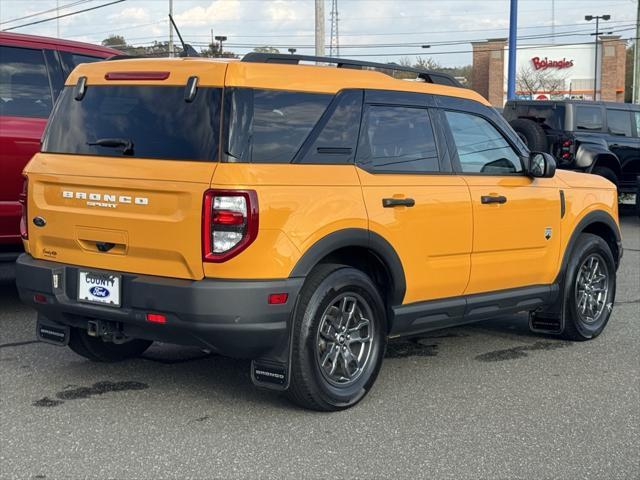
(107, 331)
(53, 333)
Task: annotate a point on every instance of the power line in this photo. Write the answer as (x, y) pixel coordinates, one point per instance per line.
(63, 16)
(69, 5)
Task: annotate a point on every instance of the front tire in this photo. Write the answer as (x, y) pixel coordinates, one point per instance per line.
(590, 288)
(96, 350)
(339, 339)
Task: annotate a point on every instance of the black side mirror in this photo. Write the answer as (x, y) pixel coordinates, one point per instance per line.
(542, 165)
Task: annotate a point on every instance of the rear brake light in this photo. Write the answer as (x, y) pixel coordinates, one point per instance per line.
(229, 223)
(567, 143)
(136, 75)
(22, 198)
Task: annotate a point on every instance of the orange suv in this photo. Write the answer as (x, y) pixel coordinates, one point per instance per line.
(300, 216)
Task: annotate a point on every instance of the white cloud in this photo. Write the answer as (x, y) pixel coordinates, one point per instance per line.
(217, 11)
(131, 14)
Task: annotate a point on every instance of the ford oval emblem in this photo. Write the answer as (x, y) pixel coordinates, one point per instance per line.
(100, 292)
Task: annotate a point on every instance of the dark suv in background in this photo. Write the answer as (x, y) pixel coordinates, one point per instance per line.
(32, 74)
(595, 137)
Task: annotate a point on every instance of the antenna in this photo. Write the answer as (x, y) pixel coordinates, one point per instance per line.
(187, 50)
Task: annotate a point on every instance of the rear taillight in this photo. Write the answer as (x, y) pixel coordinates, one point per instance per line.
(229, 223)
(566, 150)
(22, 198)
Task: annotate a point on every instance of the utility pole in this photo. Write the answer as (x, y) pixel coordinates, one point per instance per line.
(171, 52)
(636, 60)
(334, 42)
(513, 45)
(320, 28)
(553, 21)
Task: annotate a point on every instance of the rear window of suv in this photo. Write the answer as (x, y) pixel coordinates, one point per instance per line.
(155, 122)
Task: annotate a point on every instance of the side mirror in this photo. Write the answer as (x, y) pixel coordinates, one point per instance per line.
(542, 165)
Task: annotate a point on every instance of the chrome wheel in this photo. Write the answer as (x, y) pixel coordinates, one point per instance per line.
(592, 288)
(344, 339)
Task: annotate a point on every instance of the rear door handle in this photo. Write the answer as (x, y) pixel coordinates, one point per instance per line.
(398, 202)
(493, 199)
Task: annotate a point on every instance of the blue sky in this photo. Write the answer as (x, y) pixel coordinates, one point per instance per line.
(380, 30)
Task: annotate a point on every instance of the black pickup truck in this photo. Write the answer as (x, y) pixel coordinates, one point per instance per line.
(595, 137)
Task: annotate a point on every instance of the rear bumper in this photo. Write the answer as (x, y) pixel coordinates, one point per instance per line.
(231, 317)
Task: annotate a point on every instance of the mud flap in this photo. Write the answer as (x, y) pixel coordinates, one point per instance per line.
(273, 370)
(51, 332)
(550, 320)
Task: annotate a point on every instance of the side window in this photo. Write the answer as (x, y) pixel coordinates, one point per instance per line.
(72, 60)
(588, 118)
(397, 139)
(24, 83)
(270, 126)
(481, 147)
(336, 142)
(637, 124)
(619, 122)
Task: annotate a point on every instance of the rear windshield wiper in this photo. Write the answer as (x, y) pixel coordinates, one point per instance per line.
(114, 143)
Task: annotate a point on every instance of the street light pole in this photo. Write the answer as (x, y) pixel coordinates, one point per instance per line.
(597, 18)
(220, 39)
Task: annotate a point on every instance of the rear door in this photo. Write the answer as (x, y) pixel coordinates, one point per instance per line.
(413, 200)
(25, 103)
(516, 219)
(124, 167)
(624, 142)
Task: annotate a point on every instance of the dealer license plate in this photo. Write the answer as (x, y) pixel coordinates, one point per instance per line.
(101, 288)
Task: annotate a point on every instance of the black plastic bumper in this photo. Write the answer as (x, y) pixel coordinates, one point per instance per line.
(231, 317)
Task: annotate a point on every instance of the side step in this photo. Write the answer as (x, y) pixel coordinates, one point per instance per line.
(545, 325)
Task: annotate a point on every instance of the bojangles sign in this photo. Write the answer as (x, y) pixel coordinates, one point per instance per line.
(544, 63)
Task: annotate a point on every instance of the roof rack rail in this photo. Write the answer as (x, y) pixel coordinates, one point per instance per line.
(426, 75)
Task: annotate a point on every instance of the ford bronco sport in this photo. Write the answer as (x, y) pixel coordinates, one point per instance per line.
(299, 216)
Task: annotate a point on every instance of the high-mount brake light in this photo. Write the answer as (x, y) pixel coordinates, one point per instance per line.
(22, 198)
(229, 223)
(136, 75)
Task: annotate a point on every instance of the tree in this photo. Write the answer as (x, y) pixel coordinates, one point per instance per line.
(530, 81)
(266, 49)
(115, 41)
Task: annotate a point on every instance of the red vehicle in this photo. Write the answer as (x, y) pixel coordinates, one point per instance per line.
(32, 74)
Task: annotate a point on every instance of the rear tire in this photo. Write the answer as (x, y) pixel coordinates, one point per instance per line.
(96, 350)
(531, 133)
(590, 288)
(339, 339)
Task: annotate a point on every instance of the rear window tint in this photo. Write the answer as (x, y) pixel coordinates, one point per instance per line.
(588, 118)
(619, 122)
(24, 83)
(270, 126)
(157, 121)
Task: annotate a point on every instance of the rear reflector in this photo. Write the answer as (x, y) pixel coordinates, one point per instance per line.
(278, 298)
(156, 318)
(22, 199)
(39, 298)
(136, 76)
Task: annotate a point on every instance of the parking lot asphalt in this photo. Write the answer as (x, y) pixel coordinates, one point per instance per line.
(486, 401)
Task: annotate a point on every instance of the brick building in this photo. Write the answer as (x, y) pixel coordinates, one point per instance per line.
(551, 71)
